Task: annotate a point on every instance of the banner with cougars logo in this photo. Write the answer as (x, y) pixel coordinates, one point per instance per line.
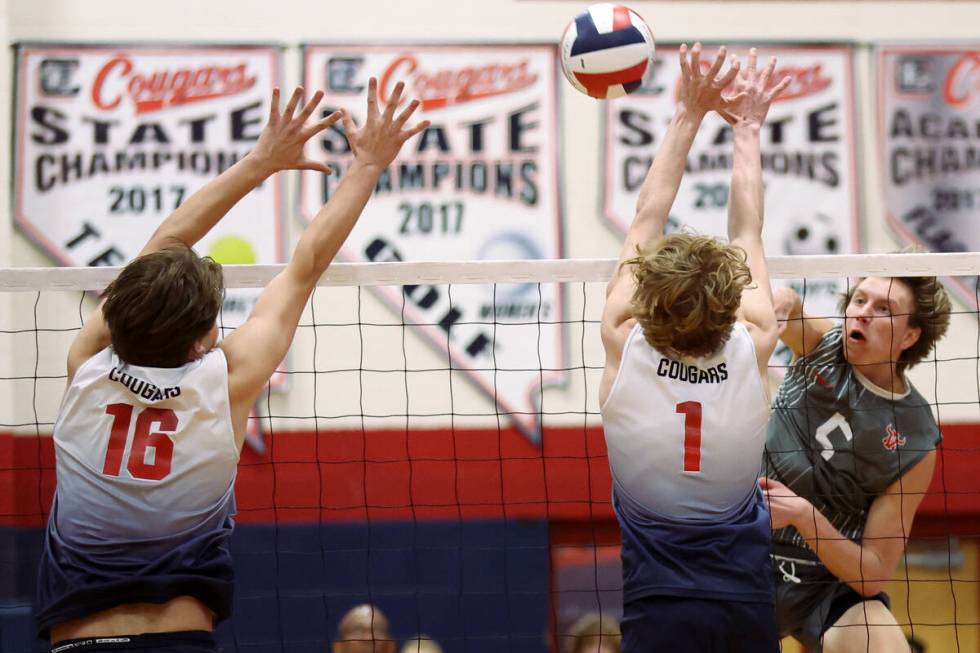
(111, 139)
(808, 158)
(929, 140)
(480, 183)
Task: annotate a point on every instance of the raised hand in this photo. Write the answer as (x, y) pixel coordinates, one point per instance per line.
(281, 144)
(700, 92)
(378, 142)
(753, 94)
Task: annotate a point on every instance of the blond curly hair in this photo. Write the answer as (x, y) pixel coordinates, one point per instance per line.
(688, 289)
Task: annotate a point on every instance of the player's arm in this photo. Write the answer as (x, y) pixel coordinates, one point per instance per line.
(797, 330)
(868, 566)
(280, 147)
(256, 348)
(746, 204)
(698, 93)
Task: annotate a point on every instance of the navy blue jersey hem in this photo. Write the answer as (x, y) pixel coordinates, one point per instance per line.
(215, 595)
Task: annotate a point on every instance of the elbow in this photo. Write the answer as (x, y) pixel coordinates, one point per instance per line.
(786, 303)
(874, 578)
(870, 589)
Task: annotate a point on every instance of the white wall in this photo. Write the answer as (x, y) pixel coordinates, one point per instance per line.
(291, 22)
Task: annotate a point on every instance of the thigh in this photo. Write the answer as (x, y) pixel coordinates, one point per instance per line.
(866, 627)
(752, 628)
(683, 625)
(804, 596)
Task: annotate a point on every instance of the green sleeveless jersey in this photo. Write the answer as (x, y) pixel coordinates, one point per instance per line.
(839, 441)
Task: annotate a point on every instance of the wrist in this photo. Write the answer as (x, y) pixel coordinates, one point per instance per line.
(259, 167)
(686, 116)
(804, 519)
(746, 127)
(368, 167)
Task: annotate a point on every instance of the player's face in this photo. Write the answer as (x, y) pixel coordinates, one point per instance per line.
(877, 325)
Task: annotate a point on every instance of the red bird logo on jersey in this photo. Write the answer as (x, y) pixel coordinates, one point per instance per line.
(892, 440)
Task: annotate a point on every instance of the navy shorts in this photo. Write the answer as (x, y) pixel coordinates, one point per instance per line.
(191, 641)
(670, 624)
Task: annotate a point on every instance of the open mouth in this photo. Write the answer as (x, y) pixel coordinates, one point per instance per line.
(855, 336)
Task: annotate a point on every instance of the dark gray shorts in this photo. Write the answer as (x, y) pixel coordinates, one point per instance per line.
(810, 599)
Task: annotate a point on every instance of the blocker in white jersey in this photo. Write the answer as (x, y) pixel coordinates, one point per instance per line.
(163, 438)
(685, 437)
(688, 328)
(136, 552)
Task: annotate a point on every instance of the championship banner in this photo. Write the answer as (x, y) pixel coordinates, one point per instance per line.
(808, 158)
(480, 184)
(929, 140)
(111, 139)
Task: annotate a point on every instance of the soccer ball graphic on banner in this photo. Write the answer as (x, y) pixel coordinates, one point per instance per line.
(606, 51)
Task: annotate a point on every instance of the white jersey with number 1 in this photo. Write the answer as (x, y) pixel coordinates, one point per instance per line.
(685, 437)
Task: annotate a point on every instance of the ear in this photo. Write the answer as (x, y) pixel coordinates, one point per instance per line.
(197, 351)
(910, 338)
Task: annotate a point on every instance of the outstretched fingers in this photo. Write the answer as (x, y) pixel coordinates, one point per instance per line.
(274, 107)
(417, 129)
(324, 123)
(696, 61)
(350, 130)
(294, 99)
(406, 114)
(753, 61)
(310, 107)
(685, 64)
(778, 88)
(318, 166)
(372, 97)
(717, 63)
(767, 73)
(394, 101)
(731, 74)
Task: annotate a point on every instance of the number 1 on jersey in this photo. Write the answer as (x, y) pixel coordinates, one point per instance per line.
(692, 434)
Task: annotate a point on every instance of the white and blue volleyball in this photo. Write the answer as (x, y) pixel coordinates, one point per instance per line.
(606, 51)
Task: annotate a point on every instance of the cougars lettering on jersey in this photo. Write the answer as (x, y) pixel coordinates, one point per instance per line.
(839, 441)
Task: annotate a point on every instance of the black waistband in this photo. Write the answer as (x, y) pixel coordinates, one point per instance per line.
(134, 642)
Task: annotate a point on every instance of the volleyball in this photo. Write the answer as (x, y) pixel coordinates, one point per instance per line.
(606, 51)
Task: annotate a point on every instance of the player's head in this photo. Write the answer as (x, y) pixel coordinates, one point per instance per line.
(162, 309)
(364, 629)
(688, 289)
(594, 633)
(894, 319)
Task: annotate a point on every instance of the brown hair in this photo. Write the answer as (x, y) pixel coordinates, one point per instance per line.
(688, 289)
(161, 304)
(930, 313)
(593, 627)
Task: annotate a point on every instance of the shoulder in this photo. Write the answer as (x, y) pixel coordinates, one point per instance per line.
(833, 340)
(615, 336)
(830, 347)
(103, 359)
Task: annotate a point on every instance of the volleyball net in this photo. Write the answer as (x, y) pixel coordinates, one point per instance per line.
(432, 446)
